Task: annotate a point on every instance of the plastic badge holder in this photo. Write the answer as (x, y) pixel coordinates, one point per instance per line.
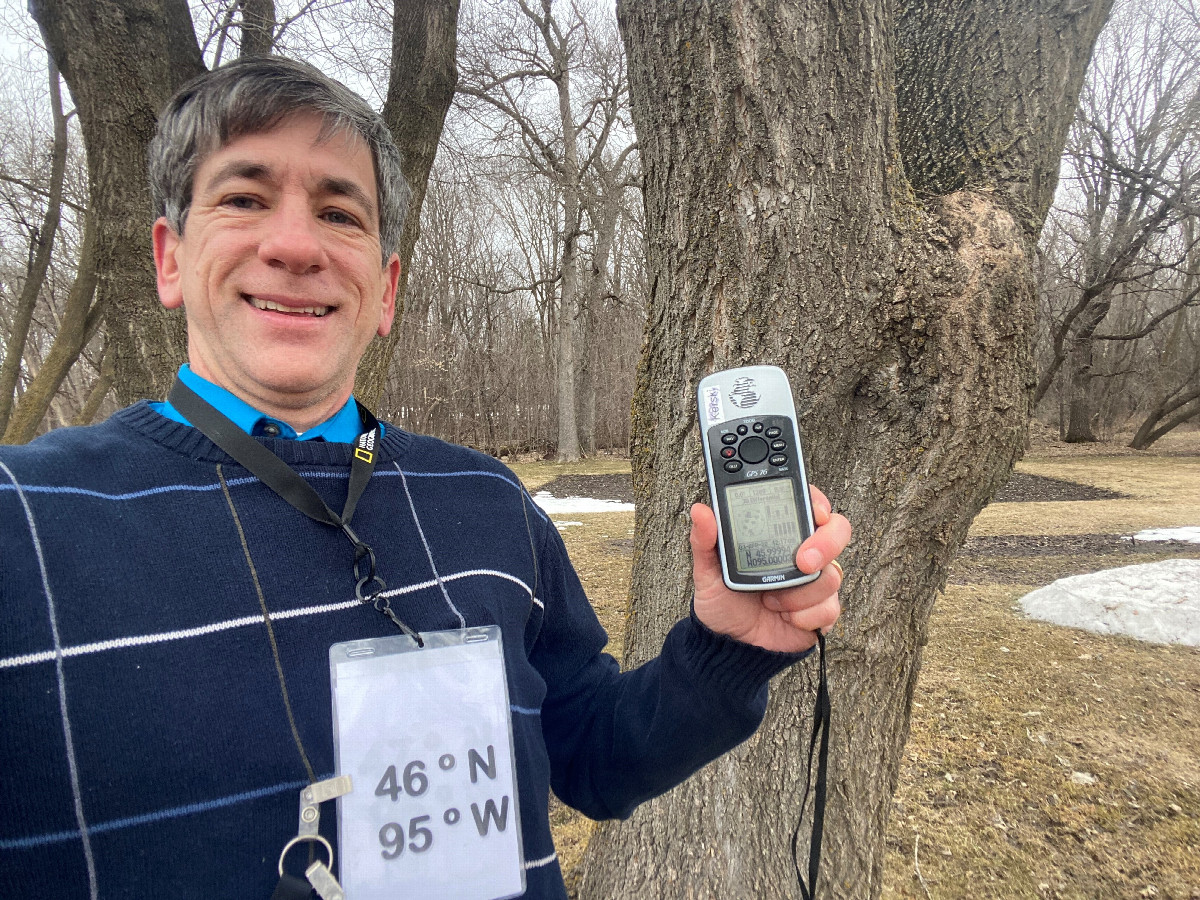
(426, 734)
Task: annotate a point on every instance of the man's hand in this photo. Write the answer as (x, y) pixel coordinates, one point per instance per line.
(785, 620)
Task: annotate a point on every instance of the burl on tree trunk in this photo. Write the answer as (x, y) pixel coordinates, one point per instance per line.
(851, 191)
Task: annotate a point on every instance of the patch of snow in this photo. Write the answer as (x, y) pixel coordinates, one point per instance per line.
(561, 506)
(1189, 533)
(561, 525)
(1157, 602)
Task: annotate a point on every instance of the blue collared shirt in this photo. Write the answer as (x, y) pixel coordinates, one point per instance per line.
(342, 427)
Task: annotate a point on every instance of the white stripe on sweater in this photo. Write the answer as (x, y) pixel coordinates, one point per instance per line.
(538, 863)
(462, 622)
(141, 640)
(57, 656)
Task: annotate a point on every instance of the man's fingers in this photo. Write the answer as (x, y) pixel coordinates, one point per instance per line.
(706, 566)
(824, 545)
(807, 595)
(819, 617)
(821, 507)
(704, 528)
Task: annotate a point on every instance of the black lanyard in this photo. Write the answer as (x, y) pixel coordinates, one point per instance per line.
(279, 477)
(820, 735)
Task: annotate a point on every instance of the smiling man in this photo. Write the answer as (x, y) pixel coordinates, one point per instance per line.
(278, 268)
(176, 581)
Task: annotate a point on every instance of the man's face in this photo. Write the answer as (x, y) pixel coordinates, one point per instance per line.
(278, 268)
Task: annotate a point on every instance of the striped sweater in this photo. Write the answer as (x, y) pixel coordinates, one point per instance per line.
(145, 746)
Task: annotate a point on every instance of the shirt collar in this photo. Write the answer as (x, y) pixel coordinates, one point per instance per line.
(342, 427)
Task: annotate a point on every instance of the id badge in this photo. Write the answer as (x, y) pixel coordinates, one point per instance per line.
(426, 735)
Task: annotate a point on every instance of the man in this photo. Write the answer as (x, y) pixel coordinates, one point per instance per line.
(164, 662)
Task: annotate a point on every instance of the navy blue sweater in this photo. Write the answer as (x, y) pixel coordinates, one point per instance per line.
(146, 750)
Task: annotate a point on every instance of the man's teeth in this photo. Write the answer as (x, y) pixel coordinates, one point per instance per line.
(298, 310)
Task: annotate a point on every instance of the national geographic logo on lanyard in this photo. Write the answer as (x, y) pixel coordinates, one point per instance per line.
(364, 447)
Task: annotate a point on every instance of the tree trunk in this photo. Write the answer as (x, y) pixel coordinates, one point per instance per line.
(420, 88)
(1079, 392)
(258, 27)
(100, 389)
(43, 241)
(122, 59)
(1077, 424)
(565, 346)
(782, 228)
(79, 324)
(603, 212)
(570, 310)
(1186, 406)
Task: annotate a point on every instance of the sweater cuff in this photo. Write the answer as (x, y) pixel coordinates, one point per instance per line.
(726, 663)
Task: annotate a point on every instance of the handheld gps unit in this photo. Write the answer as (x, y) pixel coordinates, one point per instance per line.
(756, 476)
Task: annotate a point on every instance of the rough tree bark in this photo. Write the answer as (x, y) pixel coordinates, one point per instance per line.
(850, 190)
(420, 88)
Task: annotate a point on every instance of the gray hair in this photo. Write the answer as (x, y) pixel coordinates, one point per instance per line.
(253, 95)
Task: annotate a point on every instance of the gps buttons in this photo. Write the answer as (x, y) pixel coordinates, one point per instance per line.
(753, 450)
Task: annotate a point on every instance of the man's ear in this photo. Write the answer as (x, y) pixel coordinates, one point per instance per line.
(166, 245)
(391, 280)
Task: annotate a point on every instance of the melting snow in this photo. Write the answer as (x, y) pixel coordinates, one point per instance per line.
(1190, 534)
(1157, 602)
(562, 506)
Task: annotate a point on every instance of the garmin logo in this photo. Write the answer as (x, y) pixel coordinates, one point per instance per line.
(768, 579)
(744, 393)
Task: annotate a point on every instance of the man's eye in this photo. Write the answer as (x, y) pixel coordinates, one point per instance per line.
(338, 217)
(240, 201)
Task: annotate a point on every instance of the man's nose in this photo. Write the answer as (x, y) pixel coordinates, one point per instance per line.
(292, 239)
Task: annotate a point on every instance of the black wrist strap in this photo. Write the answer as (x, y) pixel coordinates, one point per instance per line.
(279, 477)
(820, 731)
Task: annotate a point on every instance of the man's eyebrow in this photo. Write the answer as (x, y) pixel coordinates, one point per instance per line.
(345, 187)
(239, 168)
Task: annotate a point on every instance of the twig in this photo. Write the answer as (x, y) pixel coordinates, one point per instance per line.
(917, 866)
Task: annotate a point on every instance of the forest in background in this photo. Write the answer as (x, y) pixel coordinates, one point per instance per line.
(525, 304)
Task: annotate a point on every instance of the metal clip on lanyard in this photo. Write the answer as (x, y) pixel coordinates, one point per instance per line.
(279, 477)
(318, 876)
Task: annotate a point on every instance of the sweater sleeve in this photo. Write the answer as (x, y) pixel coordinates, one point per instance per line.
(616, 739)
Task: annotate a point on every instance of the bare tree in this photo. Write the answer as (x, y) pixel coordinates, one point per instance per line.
(420, 88)
(1131, 177)
(41, 247)
(852, 191)
(54, 317)
(524, 72)
(1171, 372)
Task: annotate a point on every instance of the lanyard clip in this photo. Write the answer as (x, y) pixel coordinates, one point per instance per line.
(319, 874)
(314, 795)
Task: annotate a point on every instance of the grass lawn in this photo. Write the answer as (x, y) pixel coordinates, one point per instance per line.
(1044, 762)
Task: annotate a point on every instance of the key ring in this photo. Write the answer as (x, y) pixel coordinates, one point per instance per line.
(300, 838)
